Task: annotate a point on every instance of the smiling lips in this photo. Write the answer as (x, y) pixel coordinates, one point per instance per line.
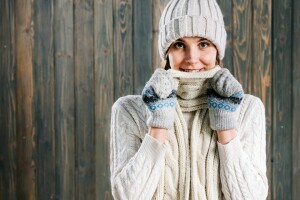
(192, 70)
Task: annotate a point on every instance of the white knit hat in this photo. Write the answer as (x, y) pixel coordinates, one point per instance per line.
(191, 18)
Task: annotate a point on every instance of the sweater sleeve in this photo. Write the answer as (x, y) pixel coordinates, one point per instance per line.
(136, 164)
(243, 160)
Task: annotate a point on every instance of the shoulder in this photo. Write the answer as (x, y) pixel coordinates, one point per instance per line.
(252, 103)
(129, 103)
(252, 111)
(132, 108)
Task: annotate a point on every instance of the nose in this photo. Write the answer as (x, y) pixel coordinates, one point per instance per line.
(192, 56)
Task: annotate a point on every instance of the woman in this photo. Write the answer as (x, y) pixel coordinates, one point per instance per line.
(192, 134)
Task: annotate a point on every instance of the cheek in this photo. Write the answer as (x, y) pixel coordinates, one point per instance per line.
(175, 60)
(210, 58)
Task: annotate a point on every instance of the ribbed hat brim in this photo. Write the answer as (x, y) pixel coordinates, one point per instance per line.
(192, 26)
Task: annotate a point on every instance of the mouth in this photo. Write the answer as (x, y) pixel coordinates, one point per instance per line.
(192, 70)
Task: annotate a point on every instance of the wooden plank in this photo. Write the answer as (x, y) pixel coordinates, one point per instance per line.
(8, 173)
(84, 99)
(26, 165)
(104, 96)
(242, 40)
(226, 8)
(142, 40)
(64, 100)
(157, 9)
(123, 63)
(282, 101)
(261, 67)
(296, 103)
(43, 66)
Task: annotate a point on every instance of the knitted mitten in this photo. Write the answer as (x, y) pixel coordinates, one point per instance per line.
(223, 100)
(159, 94)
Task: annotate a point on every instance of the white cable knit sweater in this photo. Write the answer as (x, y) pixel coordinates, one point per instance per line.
(138, 160)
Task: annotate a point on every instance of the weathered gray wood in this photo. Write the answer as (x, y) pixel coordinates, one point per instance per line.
(296, 102)
(8, 173)
(242, 40)
(84, 99)
(26, 165)
(64, 100)
(43, 67)
(57, 90)
(226, 8)
(261, 67)
(142, 43)
(157, 9)
(142, 40)
(282, 101)
(104, 95)
(123, 60)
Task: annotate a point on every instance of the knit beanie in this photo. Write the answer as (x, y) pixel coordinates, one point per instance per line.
(192, 18)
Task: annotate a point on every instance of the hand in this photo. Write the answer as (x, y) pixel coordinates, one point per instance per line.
(224, 97)
(159, 94)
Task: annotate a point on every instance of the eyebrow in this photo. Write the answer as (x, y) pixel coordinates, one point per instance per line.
(179, 40)
(200, 39)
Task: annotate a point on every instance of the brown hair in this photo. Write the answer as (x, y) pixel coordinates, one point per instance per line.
(167, 65)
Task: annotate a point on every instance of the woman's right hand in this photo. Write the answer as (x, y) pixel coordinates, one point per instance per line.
(159, 94)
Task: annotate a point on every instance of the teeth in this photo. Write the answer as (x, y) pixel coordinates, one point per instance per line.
(191, 70)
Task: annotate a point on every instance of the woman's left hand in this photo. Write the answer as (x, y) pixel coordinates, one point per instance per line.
(224, 97)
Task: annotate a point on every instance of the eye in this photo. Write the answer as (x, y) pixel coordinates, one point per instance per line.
(179, 45)
(204, 44)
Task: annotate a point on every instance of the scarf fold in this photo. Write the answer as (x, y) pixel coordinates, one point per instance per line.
(191, 162)
(191, 93)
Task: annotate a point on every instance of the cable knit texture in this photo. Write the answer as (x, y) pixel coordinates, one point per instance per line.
(191, 164)
(196, 178)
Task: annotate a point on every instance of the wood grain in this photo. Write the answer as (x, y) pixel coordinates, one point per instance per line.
(296, 102)
(123, 51)
(142, 40)
(43, 68)
(64, 100)
(157, 9)
(26, 165)
(261, 67)
(242, 42)
(226, 8)
(282, 101)
(8, 172)
(84, 99)
(104, 95)
(63, 63)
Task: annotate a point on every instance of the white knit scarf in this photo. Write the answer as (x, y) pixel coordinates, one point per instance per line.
(191, 161)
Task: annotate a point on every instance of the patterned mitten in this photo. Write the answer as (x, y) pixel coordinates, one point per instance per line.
(224, 97)
(159, 94)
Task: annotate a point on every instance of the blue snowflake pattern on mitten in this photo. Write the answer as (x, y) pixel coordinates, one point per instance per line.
(215, 101)
(153, 102)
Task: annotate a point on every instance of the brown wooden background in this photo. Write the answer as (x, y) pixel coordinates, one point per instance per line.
(64, 62)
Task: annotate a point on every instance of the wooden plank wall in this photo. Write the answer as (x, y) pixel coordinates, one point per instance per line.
(295, 99)
(63, 63)
(282, 100)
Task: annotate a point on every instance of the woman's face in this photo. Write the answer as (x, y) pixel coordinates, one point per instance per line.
(192, 54)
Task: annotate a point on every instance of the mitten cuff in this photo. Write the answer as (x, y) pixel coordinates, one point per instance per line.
(223, 120)
(162, 118)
